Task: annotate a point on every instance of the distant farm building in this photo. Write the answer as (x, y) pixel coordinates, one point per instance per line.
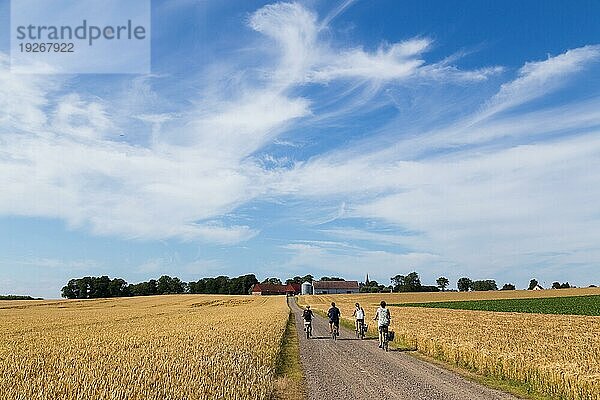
(537, 287)
(265, 289)
(296, 286)
(335, 287)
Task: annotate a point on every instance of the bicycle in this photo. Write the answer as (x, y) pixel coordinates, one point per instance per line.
(308, 329)
(361, 330)
(386, 337)
(335, 332)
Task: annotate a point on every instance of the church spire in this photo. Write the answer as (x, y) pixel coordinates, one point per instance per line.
(367, 280)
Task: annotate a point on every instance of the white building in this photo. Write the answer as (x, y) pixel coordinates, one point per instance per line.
(307, 288)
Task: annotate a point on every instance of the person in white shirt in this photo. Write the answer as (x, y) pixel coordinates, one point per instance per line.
(359, 314)
(383, 318)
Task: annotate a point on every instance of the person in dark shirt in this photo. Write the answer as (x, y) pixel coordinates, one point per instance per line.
(307, 314)
(334, 317)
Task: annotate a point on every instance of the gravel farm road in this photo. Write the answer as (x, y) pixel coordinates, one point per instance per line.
(349, 368)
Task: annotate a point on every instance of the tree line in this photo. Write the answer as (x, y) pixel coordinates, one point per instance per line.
(412, 283)
(94, 287)
(91, 287)
(16, 297)
(404, 283)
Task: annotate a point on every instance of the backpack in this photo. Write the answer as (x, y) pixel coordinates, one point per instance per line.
(385, 318)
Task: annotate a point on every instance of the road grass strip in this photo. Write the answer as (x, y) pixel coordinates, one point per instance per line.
(572, 305)
(289, 378)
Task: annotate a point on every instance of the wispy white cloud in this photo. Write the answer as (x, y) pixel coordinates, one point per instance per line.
(485, 205)
(481, 211)
(78, 118)
(123, 167)
(306, 57)
(335, 12)
(22, 101)
(541, 77)
(486, 188)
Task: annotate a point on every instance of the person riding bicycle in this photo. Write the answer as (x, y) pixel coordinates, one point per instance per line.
(307, 316)
(383, 318)
(334, 318)
(359, 314)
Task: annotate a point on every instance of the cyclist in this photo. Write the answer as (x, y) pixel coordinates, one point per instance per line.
(307, 315)
(334, 318)
(383, 318)
(359, 314)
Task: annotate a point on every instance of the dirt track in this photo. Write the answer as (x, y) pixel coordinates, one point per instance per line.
(349, 368)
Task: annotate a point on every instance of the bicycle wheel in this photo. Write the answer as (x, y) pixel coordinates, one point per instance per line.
(386, 340)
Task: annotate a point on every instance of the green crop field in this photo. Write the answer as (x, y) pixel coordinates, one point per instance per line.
(573, 305)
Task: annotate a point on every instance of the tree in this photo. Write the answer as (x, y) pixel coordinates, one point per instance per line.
(98, 287)
(272, 281)
(464, 284)
(408, 283)
(532, 284)
(118, 288)
(69, 291)
(555, 285)
(330, 279)
(397, 280)
(242, 284)
(485, 285)
(308, 278)
(143, 288)
(296, 279)
(92, 287)
(442, 283)
(224, 285)
(371, 287)
(565, 285)
(168, 285)
(508, 286)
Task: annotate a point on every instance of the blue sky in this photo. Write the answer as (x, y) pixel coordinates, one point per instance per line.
(455, 138)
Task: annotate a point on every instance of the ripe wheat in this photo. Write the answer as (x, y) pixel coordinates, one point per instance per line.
(558, 355)
(164, 347)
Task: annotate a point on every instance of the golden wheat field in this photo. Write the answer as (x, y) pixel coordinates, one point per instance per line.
(160, 347)
(558, 355)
